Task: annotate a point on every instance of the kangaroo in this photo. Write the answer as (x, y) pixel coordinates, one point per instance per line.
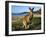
(27, 19)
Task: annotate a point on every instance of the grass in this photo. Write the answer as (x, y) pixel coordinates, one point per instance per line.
(36, 24)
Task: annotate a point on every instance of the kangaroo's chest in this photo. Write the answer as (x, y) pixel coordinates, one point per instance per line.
(26, 18)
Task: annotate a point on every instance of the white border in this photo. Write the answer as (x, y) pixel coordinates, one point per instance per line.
(29, 31)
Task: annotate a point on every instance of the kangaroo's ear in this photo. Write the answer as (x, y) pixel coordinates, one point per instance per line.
(32, 8)
(29, 8)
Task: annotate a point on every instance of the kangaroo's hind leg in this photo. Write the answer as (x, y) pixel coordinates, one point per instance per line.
(24, 24)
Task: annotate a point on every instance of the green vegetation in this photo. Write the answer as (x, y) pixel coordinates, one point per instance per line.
(36, 24)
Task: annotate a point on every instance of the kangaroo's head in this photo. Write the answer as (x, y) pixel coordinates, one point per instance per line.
(31, 9)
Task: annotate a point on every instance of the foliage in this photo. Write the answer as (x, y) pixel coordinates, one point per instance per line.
(36, 24)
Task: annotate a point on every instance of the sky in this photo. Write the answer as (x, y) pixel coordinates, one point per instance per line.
(20, 9)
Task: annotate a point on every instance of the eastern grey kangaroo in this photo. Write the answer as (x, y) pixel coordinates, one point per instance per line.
(27, 19)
